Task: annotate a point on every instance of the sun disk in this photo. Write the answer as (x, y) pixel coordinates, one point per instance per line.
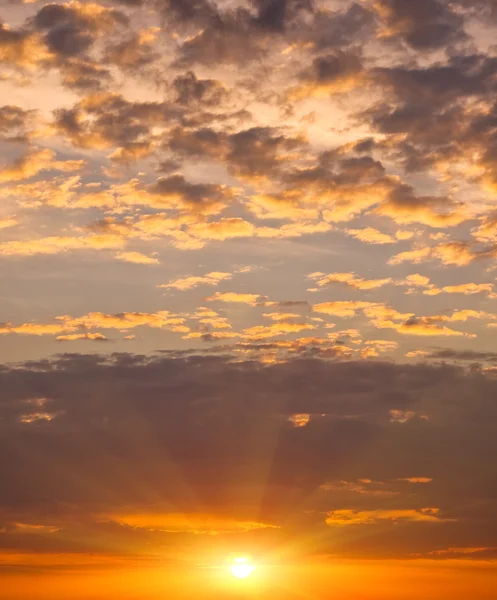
(242, 568)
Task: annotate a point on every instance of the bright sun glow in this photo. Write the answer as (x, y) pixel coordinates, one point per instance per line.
(242, 568)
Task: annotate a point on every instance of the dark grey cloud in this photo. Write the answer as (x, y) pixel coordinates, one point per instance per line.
(131, 54)
(191, 90)
(14, 123)
(450, 354)
(192, 194)
(112, 121)
(250, 152)
(424, 24)
(275, 14)
(339, 29)
(70, 32)
(85, 76)
(128, 432)
(333, 67)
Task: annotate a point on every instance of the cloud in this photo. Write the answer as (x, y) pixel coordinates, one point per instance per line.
(34, 161)
(210, 198)
(385, 317)
(58, 191)
(71, 337)
(335, 73)
(20, 48)
(7, 222)
(344, 518)
(349, 279)
(70, 30)
(74, 328)
(137, 258)
(235, 297)
(155, 407)
(277, 329)
(419, 281)
(346, 308)
(451, 253)
(188, 283)
(425, 25)
(135, 52)
(192, 523)
(404, 207)
(452, 354)
(370, 235)
(467, 289)
(56, 245)
(15, 123)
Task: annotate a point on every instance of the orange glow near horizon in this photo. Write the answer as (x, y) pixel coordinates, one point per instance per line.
(319, 579)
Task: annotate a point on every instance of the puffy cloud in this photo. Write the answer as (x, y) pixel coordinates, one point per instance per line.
(420, 281)
(224, 229)
(449, 253)
(370, 235)
(58, 192)
(335, 73)
(187, 283)
(15, 123)
(34, 161)
(467, 289)
(349, 279)
(57, 245)
(72, 337)
(135, 52)
(7, 222)
(405, 207)
(346, 308)
(71, 29)
(21, 48)
(107, 120)
(277, 329)
(211, 336)
(193, 91)
(235, 297)
(137, 258)
(74, 328)
(423, 25)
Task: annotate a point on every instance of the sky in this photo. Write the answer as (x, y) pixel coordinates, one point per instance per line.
(248, 266)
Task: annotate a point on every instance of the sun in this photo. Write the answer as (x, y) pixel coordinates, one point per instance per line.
(241, 568)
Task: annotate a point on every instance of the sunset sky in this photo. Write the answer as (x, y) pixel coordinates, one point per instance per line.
(248, 290)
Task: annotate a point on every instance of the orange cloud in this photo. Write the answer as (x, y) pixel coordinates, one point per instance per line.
(187, 283)
(349, 279)
(56, 245)
(34, 161)
(280, 328)
(343, 518)
(299, 419)
(450, 253)
(370, 235)
(57, 192)
(464, 288)
(347, 308)
(137, 258)
(193, 523)
(72, 337)
(7, 222)
(234, 297)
